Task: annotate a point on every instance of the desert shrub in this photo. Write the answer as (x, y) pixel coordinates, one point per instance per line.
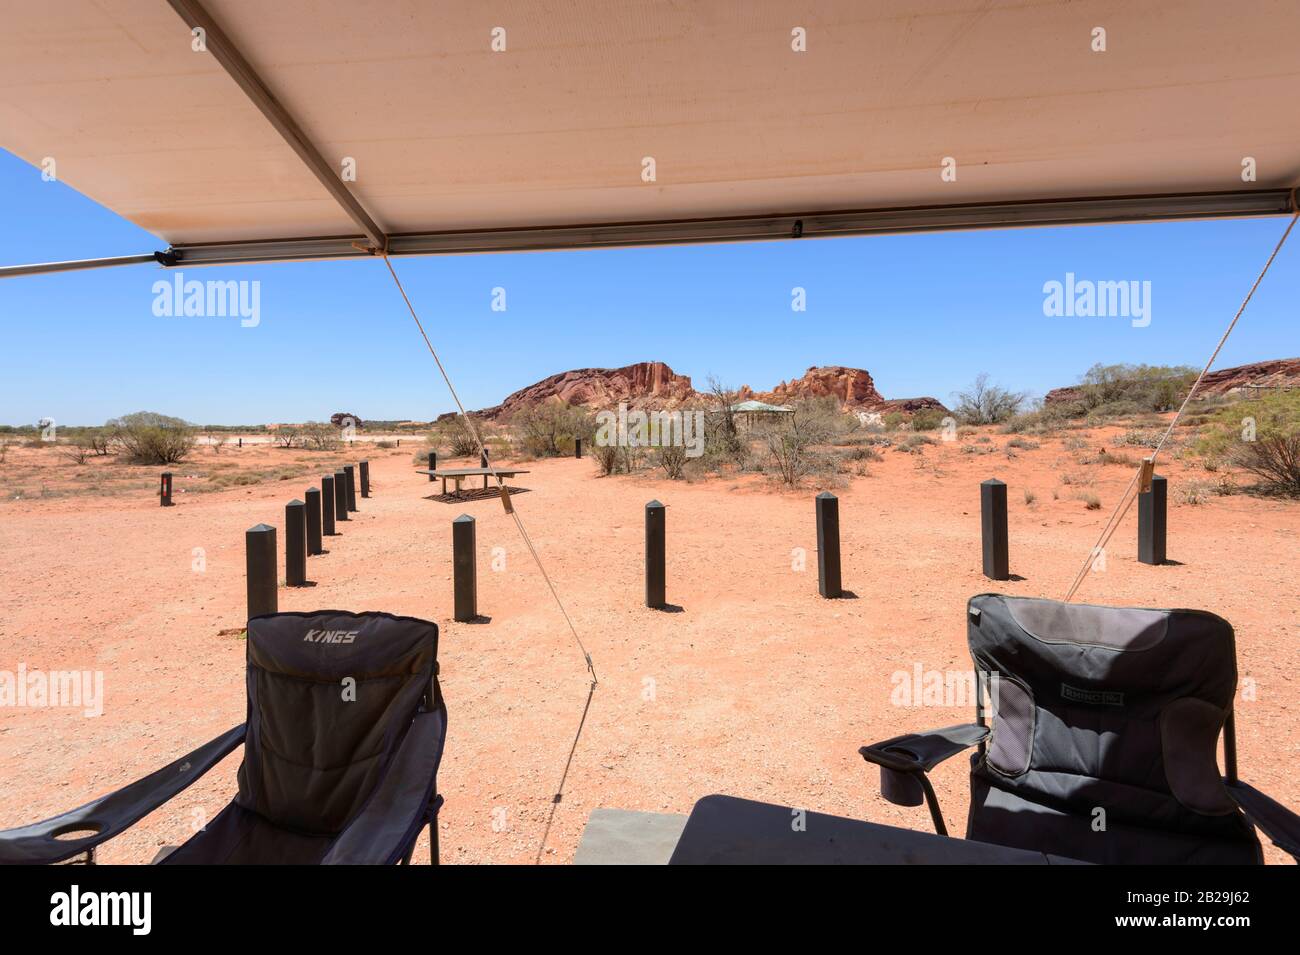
(147, 437)
(1044, 420)
(985, 403)
(1124, 388)
(217, 441)
(790, 442)
(1024, 444)
(927, 419)
(914, 443)
(1195, 491)
(672, 458)
(1030, 497)
(550, 429)
(607, 456)
(75, 451)
(384, 444)
(1140, 438)
(1091, 501)
(318, 436)
(722, 438)
(1262, 436)
(1074, 443)
(455, 434)
(862, 453)
(1076, 478)
(977, 449)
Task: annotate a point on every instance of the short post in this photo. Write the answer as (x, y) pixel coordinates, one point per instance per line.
(340, 496)
(295, 544)
(364, 468)
(350, 473)
(828, 545)
(993, 527)
(433, 464)
(327, 498)
(165, 490)
(577, 447)
(464, 569)
(314, 545)
(655, 550)
(241, 442)
(1152, 513)
(483, 462)
(259, 551)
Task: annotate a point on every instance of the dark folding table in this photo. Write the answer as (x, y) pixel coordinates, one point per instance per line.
(725, 830)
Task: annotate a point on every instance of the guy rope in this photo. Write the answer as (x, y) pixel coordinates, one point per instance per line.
(523, 533)
(1141, 481)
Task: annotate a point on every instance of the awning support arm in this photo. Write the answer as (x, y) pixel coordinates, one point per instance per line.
(227, 54)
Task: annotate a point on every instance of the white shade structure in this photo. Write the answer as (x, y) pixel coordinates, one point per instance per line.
(474, 125)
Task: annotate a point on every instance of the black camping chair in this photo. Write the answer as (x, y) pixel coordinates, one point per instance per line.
(346, 726)
(1102, 745)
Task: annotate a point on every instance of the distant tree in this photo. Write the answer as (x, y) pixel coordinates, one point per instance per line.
(147, 437)
(985, 403)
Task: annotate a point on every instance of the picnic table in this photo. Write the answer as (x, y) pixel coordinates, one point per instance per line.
(459, 474)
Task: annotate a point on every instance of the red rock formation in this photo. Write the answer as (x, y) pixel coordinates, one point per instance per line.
(1278, 373)
(601, 387)
(653, 382)
(910, 405)
(852, 386)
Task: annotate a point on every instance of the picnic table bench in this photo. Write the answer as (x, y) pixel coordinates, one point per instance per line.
(459, 474)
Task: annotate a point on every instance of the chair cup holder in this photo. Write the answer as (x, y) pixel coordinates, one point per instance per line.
(902, 789)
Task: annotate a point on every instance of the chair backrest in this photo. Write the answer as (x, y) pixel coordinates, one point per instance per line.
(330, 696)
(1105, 725)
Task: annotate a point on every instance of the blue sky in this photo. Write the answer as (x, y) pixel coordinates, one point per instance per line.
(923, 313)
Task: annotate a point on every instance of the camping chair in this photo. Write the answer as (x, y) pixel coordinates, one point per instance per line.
(1103, 740)
(345, 730)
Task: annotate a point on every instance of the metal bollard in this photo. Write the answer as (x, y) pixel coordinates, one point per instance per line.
(993, 529)
(828, 545)
(350, 473)
(340, 496)
(1153, 521)
(655, 552)
(464, 568)
(314, 544)
(165, 490)
(364, 467)
(259, 551)
(295, 544)
(327, 500)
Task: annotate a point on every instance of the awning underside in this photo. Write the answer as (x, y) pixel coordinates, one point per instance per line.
(449, 136)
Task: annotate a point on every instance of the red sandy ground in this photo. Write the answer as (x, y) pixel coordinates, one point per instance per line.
(761, 688)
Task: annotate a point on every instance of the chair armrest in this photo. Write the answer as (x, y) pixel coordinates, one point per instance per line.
(904, 761)
(921, 752)
(38, 844)
(1278, 822)
(403, 799)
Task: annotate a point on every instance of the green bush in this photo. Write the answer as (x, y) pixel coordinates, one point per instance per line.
(1263, 437)
(927, 419)
(147, 437)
